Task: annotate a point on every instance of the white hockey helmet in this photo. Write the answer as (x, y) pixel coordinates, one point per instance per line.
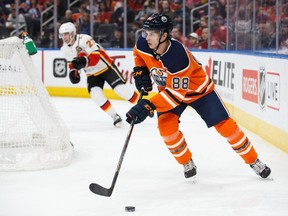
(67, 28)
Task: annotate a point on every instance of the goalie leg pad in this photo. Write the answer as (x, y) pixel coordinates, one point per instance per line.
(168, 126)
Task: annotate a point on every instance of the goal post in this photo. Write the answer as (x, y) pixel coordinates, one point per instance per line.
(33, 135)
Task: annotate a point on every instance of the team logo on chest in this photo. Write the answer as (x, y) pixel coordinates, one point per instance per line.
(159, 76)
(78, 49)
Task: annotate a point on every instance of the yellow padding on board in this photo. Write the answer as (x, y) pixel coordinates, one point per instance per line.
(273, 135)
(83, 92)
(270, 133)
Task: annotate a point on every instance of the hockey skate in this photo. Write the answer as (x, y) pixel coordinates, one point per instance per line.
(260, 168)
(117, 121)
(189, 169)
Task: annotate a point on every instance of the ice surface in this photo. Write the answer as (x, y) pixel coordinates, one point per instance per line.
(150, 178)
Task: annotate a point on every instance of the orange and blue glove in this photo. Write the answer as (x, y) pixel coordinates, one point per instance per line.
(139, 112)
(142, 79)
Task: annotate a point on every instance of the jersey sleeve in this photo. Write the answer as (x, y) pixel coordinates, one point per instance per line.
(139, 62)
(90, 50)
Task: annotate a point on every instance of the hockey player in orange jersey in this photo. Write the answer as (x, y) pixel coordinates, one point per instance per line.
(83, 53)
(182, 82)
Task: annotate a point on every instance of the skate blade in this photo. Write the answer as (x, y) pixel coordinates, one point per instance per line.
(119, 125)
(269, 178)
(193, 179)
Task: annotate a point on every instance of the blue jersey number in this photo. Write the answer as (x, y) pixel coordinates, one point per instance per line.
(178, 83)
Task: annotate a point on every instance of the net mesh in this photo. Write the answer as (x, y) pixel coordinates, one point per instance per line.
(32, 134)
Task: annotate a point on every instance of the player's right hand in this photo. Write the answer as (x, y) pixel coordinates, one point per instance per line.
(74, 76)
(142, 79)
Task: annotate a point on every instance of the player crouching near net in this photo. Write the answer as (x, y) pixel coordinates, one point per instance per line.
(182, 82)
(84, 54)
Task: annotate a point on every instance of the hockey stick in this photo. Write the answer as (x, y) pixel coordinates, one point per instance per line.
(98, 189)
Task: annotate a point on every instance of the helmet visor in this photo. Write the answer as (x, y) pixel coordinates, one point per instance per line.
(150, 32)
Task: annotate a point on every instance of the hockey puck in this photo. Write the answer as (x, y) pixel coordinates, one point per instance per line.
(129, 208)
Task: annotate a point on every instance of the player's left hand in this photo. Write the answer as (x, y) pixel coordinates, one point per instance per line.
(140, 111)
(79, 62)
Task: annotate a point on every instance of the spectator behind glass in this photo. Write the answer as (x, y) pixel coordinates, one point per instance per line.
(2, 19)
(47, 39)
(23, 6)
(78, 13)
(204, 43)
(95, 7)
(33, 18)
(117, 39)
(136, 5)
(11, 20)
(283, 39)
(117, 15)
(193, 40)
(84, 23)
(67, 17)
(179, 15)
(103, 15)
(110, 4)
(203, 24)
(219, 32)
(271, 35)
(243, 29)
(230, 15)
(261, 35)
(213, 10)
(135, 26)
(177, 34)
(148, 10)
(165, 9)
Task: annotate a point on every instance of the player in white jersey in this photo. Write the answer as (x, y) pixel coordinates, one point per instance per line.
(84, 54)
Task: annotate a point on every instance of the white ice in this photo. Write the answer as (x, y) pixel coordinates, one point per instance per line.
(150, 178)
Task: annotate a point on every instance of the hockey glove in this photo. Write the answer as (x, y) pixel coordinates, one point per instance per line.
(74, 76)
(79, 62)
(142, 79)
(140, 111)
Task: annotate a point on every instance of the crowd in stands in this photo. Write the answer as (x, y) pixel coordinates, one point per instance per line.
(233, 25)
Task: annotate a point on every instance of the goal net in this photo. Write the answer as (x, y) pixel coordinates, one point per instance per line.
(32, 134)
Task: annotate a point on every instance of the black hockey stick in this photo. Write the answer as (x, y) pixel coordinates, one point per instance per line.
(98, 189)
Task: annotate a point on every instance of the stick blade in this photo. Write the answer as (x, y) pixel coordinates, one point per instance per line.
(98, 189)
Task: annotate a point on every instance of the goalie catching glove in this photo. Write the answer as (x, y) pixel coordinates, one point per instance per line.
(79, 62)
(140, 111)
(74, 76)
(142, 79)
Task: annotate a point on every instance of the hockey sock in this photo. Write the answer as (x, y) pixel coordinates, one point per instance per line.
(126, 92)
(237, 139)
(98, 96)
(173, 138)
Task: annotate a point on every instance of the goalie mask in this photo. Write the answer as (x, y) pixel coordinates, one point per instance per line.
(67, 28)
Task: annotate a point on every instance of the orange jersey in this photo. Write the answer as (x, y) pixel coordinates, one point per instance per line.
(179, 76)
